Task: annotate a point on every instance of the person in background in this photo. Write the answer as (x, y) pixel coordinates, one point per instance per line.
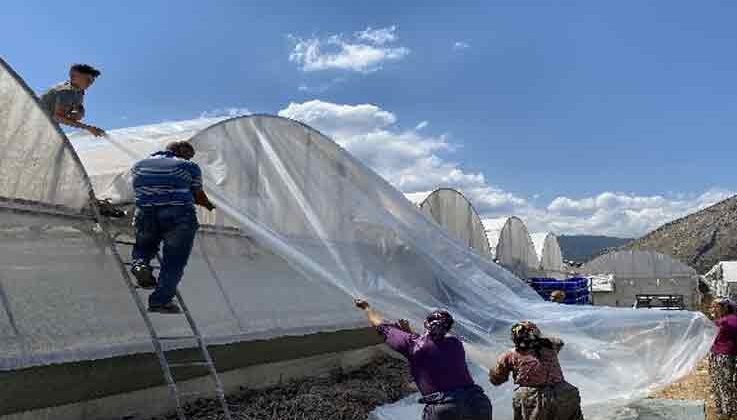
(542, 393)
(558, 296)
(167, 185)
(722, 359)
(438, 365)
(65, 101)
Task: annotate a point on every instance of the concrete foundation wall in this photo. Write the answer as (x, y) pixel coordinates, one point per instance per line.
(132, 386)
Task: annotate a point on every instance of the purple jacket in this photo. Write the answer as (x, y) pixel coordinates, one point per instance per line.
(726, 341)
(435, 366)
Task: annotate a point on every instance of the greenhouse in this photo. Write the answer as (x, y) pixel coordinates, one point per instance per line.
(642, 273)
(549, 254)
(451, 210)
(512, 247)
(301, 228)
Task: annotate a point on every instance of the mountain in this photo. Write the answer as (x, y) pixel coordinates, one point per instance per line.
(582, 248)
(700, 240)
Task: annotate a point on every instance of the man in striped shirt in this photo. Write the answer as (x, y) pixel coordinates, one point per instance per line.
(167, 185)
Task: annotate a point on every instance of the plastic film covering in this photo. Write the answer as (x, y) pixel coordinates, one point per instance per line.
(37, 163)
(451, 210)
(109, 167)
(512, 246)
(548, 252)
(722, 279)
(315, 227)
(341, 224)
(639, 264)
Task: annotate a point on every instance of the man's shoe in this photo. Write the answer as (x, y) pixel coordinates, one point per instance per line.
(144, 276)
(167, 308)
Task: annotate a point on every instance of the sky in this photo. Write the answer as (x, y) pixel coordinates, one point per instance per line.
(578, 116)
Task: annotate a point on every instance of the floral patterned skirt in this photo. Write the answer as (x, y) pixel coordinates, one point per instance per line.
(722, 370)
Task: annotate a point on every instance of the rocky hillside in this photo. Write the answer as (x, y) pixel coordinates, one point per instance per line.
(700, 239)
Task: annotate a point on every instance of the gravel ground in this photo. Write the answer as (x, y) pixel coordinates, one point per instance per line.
(693, 387)
(339, 396)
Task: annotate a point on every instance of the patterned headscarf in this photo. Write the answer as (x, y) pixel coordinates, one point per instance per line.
(728, 306)
(526, 335)
(438, 324)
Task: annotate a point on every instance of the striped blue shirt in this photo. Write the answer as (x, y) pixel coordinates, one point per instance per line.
(163, 179)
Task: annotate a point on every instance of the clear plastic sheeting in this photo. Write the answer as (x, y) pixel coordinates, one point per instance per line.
(512, 246)
(302, 228)
(722, 279)
(109, 167)
(37, 163)
(549, 254)
(343, 225)
(451, 210)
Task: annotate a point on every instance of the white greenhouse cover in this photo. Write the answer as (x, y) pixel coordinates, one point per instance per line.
(512, 246)
(638, 264)
(315, 227)
(724, 270)
(722, 279)
(451, 210)
(548, 252)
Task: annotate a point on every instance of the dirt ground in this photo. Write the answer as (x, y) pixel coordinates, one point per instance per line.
(353, 395)
(692, 387)
(339, 396)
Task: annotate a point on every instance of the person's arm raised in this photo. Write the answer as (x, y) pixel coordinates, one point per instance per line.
(374, 317)
(61, 118)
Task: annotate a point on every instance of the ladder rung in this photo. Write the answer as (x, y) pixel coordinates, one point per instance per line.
(179, 337)
(153, 267)
(188, 364)
(194, 394)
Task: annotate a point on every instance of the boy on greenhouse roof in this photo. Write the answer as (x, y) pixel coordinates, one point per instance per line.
(65, 101)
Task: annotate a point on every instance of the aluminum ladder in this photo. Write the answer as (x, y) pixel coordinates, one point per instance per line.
(157, 340)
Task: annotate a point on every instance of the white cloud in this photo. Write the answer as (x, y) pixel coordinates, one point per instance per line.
(460, 45)
(366, 51)
(379, 36)
(340, 120)
(416, 163)
(408, 159)
(618, 214)
(225, 112)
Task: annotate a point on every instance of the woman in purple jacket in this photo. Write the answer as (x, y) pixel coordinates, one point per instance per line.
(722, 359)
(437, 362)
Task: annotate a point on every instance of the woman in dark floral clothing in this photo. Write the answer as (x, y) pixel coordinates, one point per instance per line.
(722, 359)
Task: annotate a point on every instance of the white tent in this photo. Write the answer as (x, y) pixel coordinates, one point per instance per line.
(450, 209)
(722, 279)
(643, 273)
(302, 227)
(549, 254)
(511, 245)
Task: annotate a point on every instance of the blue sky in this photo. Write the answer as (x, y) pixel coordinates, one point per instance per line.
(583, 116)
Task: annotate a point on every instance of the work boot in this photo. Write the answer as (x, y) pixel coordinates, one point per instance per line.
(167, 308)
(144, 276)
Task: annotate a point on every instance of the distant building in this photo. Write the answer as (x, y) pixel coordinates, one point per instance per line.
(722, 279)
(619, 278)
